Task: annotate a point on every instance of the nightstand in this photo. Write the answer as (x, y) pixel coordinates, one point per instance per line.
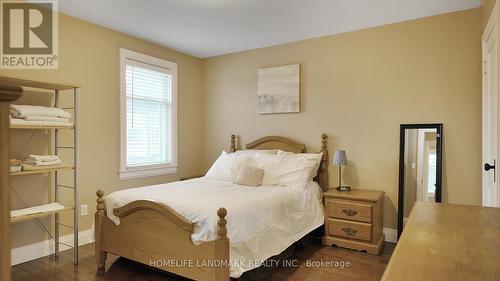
(353, 219)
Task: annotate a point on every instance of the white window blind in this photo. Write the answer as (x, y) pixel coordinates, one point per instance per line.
(149, 115)
(148, 139)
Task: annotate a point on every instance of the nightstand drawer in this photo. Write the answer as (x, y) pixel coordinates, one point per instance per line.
(350, 210)
(350, 229)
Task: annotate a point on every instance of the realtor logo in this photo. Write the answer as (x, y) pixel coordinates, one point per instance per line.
(29, 35)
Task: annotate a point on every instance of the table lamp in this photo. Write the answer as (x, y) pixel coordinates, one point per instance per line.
(340, 159)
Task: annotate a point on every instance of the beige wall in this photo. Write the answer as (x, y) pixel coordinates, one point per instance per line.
(89, 56)
(358, 87)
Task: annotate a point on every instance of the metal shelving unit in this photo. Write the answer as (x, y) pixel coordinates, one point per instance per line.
(55, 89)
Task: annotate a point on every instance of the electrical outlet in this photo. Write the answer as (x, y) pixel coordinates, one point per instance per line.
(84, 209)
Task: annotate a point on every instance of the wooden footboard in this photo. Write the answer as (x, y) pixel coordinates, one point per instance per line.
(155, 235)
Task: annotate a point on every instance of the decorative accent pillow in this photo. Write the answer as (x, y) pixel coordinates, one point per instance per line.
(249, 175)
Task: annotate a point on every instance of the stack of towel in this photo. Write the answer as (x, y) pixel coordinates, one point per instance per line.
(39, 113)
(43, 160)
(15, 165)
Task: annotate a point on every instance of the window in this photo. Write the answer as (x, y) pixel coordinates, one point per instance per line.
(148, 116)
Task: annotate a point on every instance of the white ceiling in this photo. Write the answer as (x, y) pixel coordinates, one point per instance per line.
(206, 28)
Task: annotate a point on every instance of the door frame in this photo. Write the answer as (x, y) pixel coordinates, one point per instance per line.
(490, 30)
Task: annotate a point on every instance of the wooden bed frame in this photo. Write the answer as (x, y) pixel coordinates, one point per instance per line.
(154, 234)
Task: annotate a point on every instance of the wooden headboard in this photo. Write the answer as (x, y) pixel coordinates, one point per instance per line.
(286, 144)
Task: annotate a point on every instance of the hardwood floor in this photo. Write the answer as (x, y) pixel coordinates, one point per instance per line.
(363, 266)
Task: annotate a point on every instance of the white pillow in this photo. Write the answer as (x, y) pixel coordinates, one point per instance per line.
(227, 166)
(288, 169)
(249, 175)
(295, 172)
(270, 163)
(315, 157)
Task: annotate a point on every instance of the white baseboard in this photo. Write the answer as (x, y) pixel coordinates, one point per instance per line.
(45, 248)
(391, 235)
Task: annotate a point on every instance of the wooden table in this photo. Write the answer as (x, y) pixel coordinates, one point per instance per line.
(447, 242)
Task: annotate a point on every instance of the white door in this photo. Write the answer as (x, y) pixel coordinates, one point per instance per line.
(490, 189)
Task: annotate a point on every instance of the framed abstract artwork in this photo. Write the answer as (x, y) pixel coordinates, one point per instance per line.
(278, 89)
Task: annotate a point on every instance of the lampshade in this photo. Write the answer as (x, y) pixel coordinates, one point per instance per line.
(340, 158)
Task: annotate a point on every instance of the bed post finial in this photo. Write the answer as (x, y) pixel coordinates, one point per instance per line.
(222, 247)
(100, 254)
(100, 202)
(233, 144)
(324, 141)
(323, 169)
(221, 224)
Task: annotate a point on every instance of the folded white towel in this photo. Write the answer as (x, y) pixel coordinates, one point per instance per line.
(42, 158)
(43, 163)
(21, 111)
(22, 122)
(15, 169)
(44, 166)
(46, 118)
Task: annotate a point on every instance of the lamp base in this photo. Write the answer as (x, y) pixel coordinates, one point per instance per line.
(343, 188)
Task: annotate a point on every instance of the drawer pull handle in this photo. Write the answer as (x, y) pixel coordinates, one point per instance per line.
(349, 212)
(349, 231)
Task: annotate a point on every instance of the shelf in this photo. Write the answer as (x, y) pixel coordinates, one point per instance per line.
(53, 91)
(49, 169)
(37, 84)
(40, 127)
(37, 211)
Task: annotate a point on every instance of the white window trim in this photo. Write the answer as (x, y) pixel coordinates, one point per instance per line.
(145, 170)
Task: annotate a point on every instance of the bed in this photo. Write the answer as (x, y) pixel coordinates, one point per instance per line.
(157, 226)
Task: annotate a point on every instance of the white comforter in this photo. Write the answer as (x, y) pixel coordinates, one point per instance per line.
(261, 221)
